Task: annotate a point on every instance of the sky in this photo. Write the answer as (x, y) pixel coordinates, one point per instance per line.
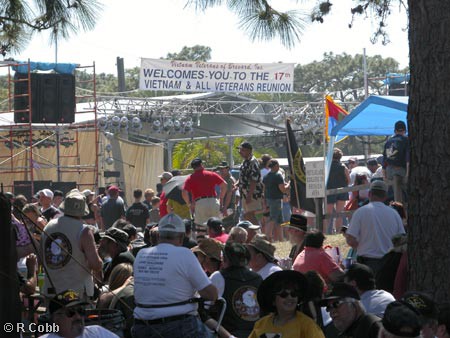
(136, 29)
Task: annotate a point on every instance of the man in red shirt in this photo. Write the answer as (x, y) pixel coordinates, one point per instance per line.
(201, 184)
(165, 177)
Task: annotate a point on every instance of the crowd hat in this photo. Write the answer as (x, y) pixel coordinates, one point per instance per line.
(166, 175)
(262, 245)
(67, 298)
(353, 159)
(223, 165)
(113, 188)
(267, 287)
(297, 222)
(422, 303)
(339, 291)
(87, 193)
(245, 145)
(118, 236)
(46, 192)
(401, 320)
(210, 248)
(248, 225)
(379, 185)
(171, 223)
(74, 204)
(214, 223)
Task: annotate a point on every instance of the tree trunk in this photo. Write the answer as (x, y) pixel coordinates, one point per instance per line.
(429, 131)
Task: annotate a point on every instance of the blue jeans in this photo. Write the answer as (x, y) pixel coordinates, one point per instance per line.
(189, 327)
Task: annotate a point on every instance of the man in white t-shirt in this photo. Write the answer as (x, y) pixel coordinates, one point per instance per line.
(373, 226)
(166, 279)
(66, 310)
(262, 259)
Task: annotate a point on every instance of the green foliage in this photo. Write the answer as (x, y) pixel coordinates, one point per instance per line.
(194, 53)
(20, 19)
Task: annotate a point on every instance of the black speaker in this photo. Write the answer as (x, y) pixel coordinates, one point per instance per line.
(53, 98)
(24, 187)
(65, 187)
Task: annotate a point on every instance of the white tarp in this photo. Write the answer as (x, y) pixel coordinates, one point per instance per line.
(197, 76)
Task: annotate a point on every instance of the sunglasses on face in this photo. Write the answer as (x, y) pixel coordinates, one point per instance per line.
(70, 312)
(335, 305)
(285, 293)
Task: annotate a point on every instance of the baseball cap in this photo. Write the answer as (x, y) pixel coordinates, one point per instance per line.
(117, 236)
(196, 162)
(46, 193)
(400, 125)
(66, 299)
(171, 223)
(87, 192)
(245, 145)
(248, 225)
(74, 204)
(340, 290)
(353, 159)
(210, 248)
(166, 175)
(400, 320)
(422, 303)
(214, 223)
(379, 185)
(113, 188)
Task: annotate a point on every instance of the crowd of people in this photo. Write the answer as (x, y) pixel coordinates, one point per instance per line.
(166, 262)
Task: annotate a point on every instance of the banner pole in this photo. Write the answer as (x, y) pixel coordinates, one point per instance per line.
(292, 167)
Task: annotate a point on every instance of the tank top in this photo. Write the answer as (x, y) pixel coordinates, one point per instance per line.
(63, 264)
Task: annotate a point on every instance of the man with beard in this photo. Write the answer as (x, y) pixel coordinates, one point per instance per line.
(66, 310)
(348, 314)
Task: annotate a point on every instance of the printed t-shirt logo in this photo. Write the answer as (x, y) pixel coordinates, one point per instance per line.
(245, 304)
(57, 250)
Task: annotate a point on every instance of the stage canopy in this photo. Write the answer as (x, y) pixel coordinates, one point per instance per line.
(374, 116)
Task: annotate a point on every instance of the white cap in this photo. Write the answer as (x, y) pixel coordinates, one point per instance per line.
(171, 223)
(46, 193)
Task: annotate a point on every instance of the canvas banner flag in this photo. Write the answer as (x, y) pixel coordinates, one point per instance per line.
(297, 166)
(334, 113)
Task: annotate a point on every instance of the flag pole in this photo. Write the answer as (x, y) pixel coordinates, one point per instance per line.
(291, 160)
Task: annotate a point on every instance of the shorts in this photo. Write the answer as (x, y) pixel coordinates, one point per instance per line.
(255, 205)
(275, 210)
(206, 208)
(331, 199)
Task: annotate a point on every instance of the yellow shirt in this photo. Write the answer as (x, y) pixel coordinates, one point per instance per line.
(181, 210)
(301, 327)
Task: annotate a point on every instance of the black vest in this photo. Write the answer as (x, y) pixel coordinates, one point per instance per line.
(241, 286)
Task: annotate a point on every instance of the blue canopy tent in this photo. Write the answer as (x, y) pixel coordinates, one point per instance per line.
(375, 116)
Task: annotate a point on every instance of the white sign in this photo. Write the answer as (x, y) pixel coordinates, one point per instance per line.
(197, 76)
(315, 179)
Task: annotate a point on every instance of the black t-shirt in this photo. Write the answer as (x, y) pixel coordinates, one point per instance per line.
(137, 214)
(271, 182)
(50, 213)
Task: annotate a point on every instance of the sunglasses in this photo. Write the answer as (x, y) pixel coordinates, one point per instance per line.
(285, 293)
(336, 304)
(70, 312)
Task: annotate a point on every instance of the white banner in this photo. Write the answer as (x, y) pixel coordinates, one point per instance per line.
(197, 76)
